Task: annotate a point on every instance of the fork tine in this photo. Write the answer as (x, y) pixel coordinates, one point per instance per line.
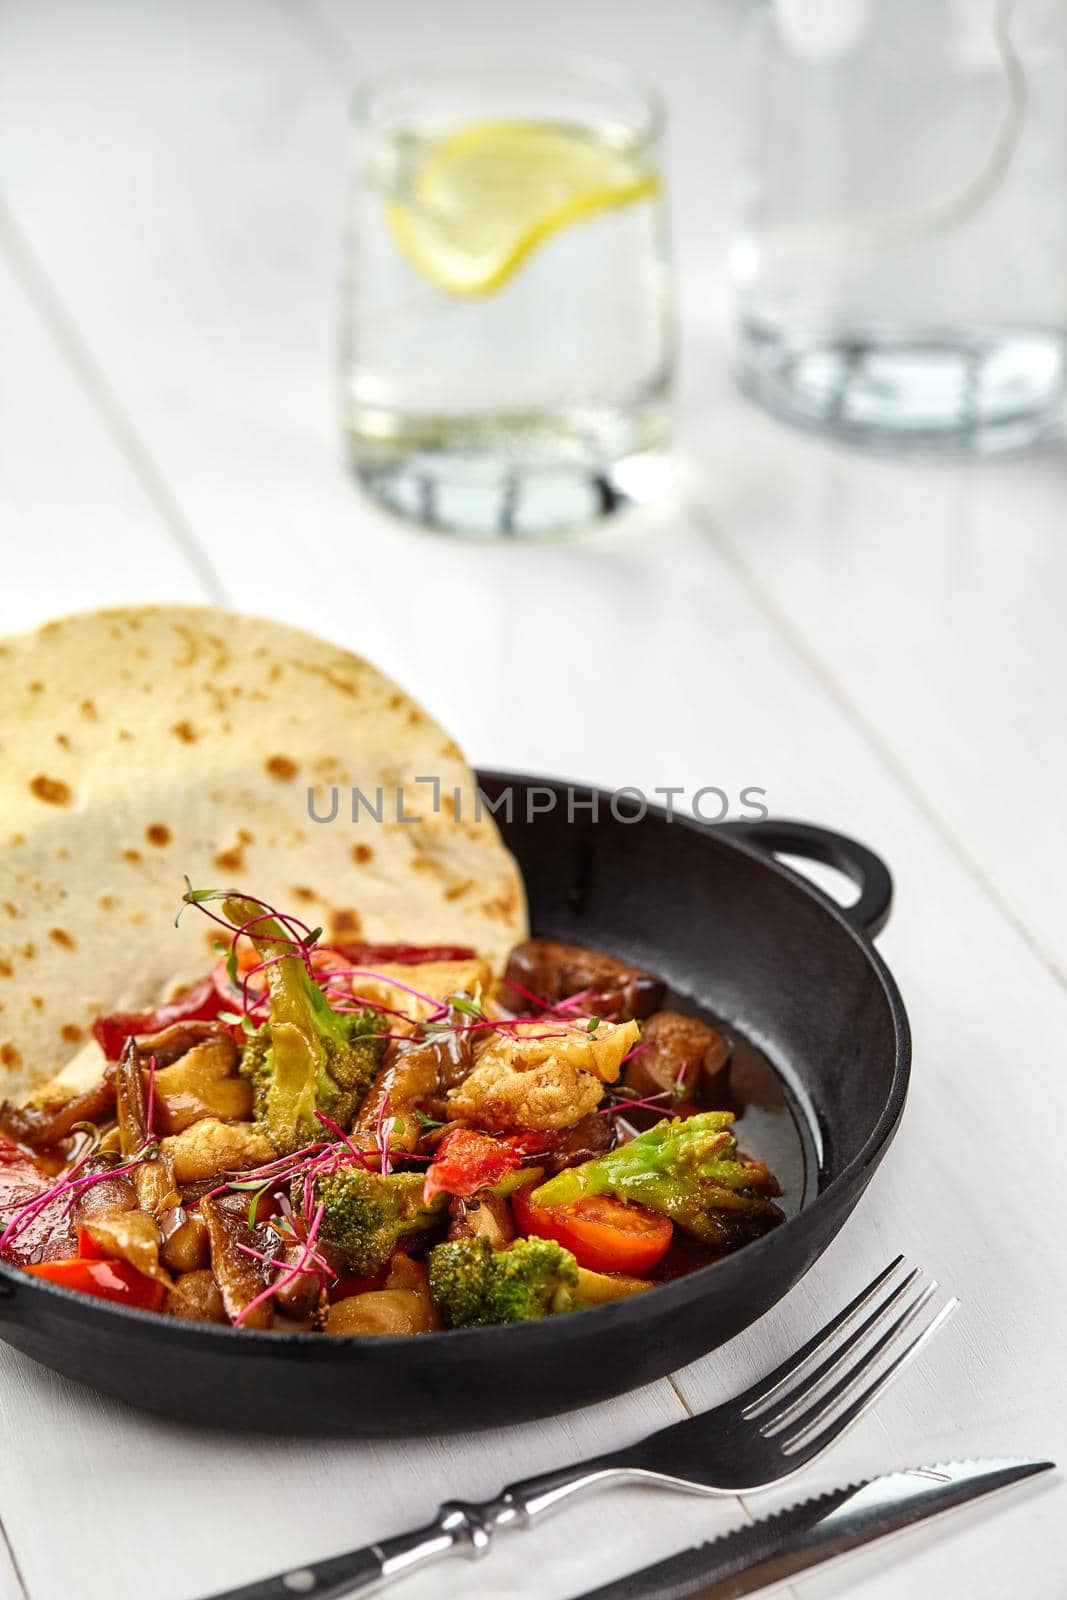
(820, 1438)
(798, 1396)
(767, 1387)
(823, 1403)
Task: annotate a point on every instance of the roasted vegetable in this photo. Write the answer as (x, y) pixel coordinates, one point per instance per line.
(366, 1213)
(680, 1056)
(685, 1168)
(237, 1274)
(542, 972)
(209, 1147)
(542, 1075)
(601, 1232)
(401, 1306)
(474, 1285)
(201, 1083)
(309, 1058)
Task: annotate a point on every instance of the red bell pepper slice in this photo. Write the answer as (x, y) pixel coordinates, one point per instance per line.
(106, 1279)
(404, 955)
(602, 1233)
(201, 1003)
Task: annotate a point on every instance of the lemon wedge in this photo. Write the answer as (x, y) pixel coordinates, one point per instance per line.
(487, 194)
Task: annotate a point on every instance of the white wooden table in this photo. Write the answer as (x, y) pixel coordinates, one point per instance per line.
(879, 644)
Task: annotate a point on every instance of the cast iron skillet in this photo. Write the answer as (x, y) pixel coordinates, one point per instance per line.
(712, 911)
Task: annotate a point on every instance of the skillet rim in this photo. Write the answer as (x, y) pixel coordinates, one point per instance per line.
(619, 1312)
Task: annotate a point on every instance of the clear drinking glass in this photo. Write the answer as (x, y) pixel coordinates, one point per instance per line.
(901, 268)
(508, 331)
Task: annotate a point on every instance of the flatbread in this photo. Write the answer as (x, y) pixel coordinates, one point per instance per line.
(143, 744)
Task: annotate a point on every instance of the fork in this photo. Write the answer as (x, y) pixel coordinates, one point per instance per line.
(778, 1425)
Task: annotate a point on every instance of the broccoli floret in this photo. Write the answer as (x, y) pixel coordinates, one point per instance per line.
(685, 1168)
(473, 1285)
(309, 1057)
(367, 1213)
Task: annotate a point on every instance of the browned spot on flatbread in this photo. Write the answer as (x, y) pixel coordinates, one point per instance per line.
(185, 731)
(230, 860)
(346, 921)
(5, 969)
(36, 687)
(29, 950)
(11, 909)
(37, 1002)
(61, 937)
(88, 710)
(53, 791)
(106, 902)
(131, 855)
(458, 890)
(157, 833)
(281, 768)
(63, 740)
(72, 1033)
(125, 735)
(300, 891)
(16, 839)
(361, 854)
(499, 909)
(9, 1056)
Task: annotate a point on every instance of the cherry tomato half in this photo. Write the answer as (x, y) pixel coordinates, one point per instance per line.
(602, 1233)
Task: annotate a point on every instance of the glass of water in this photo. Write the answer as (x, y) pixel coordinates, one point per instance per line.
(901, 268)
(508, 331)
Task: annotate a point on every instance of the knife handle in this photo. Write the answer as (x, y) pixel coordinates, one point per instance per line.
(461, 1527)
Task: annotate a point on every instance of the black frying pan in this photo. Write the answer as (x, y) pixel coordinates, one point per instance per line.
(712, 911)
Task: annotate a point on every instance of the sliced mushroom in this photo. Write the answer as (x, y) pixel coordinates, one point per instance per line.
(132, 1236)
(590, 1137)
(185, 1243)
(237, 1275)
(104, 1197)
(680, 1054)
(43, 1126)
(132, 1100)
(553, 971)
(170, 1044)
(195, 1297)
(402, 1307)
(485, 1216)
(202, 1083)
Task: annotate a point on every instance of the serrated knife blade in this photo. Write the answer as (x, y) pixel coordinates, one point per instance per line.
(805, 1535)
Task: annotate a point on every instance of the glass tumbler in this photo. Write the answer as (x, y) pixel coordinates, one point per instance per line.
(900, 270)
(507, 323)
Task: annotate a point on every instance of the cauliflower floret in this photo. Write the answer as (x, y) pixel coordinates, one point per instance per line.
(436, 979)
(211, 1146)
(542, 1075)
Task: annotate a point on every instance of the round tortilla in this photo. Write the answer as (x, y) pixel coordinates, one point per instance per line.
(143, 744)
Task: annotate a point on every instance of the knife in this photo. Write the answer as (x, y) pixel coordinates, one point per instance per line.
(805, 1535)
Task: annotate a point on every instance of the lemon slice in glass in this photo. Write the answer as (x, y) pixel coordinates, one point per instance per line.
(487, 194)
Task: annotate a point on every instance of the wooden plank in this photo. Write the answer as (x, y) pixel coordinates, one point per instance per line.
(79, 526)
(205, 147)
(10, 1583)
(930, 593)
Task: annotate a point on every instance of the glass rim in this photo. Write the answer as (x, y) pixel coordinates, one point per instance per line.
(595, 72)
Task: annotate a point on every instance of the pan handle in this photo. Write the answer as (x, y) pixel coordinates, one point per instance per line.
(866, 870)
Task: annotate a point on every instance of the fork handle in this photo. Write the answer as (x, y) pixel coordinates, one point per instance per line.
(461, 1527)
